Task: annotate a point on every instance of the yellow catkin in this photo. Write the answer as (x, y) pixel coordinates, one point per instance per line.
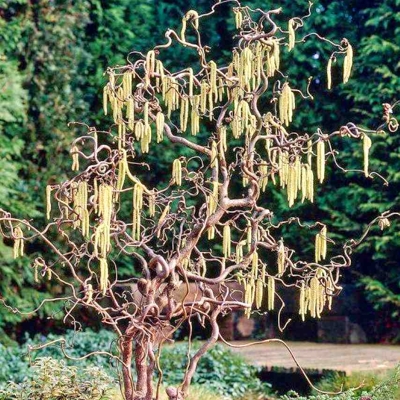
(121, 135)
(102, 234)
(103, 275)
(191, 82)
(321, 245)
(329, 292)
(18, 249)
(329, 74)
(287, 104)
(276, 50)
(213, 80)
(238, 18)
(214, 154)
(263, 177)
(302, 302)
(80, 207)
(130, 113)
(48, 201)
(281, 258)
(177, 172)
(249, 235)
(184, 115)
(202, 266)
(75, 158)
(348, 63)
(162, 218)
(211, 233)
(122, 169)
(310, 184)
(152, 204)
(321, 161)
(160, 126)
(223, 145)
(127, 84)
(150, 62)
(259, 293)
(105, 100)
(313, 297)
(194, 116)
(137, 208)
(271, 293)
(367, 143)
(292, 34)
(239, 252)
(227, 241)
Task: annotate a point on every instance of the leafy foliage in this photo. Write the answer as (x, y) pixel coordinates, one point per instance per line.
(54, 380)
(237, 379)
(386, 390)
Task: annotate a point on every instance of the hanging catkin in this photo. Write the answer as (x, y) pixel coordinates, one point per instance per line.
(367, 143)
(292, 34)
(348, 63)
(162, 219)
(122, 168)
(48, 201)
(105, 99)
(238, 18)
(75, 158)
(259, 292)
(321, 245)
(194, 116)
(271, 293)
(321, 160)
(130, 113)
(302, 302)
(281, 258)
(329, 73)
(18, 249)
(184, 115)
(287, 104)
(137, 208)
(226, 241)
(103, 275)
(160, 126)
(152, 203)
(177, 172)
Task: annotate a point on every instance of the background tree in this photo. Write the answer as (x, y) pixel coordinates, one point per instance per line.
(244, 108)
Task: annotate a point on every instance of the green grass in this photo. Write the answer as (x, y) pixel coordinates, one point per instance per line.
(367, 381)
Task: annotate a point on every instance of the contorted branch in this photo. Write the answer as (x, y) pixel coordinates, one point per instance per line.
(240, 146)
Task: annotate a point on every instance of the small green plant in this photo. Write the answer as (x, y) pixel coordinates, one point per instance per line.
(224, 373)
(375, 387)
(54, 380)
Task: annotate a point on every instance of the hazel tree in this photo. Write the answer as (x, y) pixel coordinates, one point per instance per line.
(209, 232)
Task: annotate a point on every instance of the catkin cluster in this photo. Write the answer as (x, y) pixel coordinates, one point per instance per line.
(315, 295)
(321, 245)
(18, 249)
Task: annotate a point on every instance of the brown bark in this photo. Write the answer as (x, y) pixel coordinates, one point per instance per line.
(126, 351)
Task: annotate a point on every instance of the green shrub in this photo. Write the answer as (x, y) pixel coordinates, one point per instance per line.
(387, 389)
(54, 380)
(223, 372)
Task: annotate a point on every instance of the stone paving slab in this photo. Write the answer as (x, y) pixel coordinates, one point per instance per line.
(347, 358)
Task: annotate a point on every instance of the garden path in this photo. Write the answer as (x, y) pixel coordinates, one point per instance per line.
(346, 358)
